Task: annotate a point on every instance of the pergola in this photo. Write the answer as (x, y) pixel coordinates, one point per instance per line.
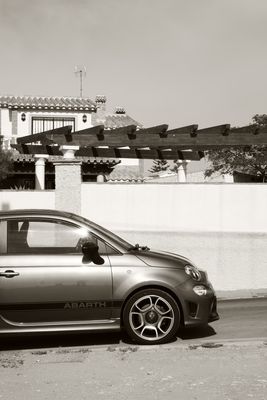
(125, 142)
(157, 142)
(142, 143)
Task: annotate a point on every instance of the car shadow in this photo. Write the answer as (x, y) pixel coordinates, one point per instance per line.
(41, 341)
(196, 332)
(44, 341)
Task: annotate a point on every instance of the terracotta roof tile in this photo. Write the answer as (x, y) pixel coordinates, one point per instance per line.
(123, 173)
(87, 160)
(22, 157)
(113, 121)
(70, 103)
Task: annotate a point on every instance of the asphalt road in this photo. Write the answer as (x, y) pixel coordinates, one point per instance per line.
(243, 320)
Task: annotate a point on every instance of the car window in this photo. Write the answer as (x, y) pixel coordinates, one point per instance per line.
(105, 249)
(44, 237)
(39, 236)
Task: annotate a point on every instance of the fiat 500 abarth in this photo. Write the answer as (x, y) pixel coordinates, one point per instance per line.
(60, 272)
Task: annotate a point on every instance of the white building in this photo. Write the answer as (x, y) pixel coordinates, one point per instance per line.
(26, 115)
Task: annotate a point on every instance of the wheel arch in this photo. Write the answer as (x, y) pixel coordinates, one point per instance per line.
(153, 286)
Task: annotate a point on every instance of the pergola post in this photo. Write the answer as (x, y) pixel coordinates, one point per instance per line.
(40, 171)
(181, 172)
(228, 178)
(68, 181)
(100, 178)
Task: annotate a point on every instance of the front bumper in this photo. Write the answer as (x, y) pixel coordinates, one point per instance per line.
(198, 310)
(213, 316)
(201, 313)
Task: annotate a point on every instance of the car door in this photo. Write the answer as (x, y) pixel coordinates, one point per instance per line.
(43, 276)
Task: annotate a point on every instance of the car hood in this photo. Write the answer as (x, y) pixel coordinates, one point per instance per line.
(162, 259)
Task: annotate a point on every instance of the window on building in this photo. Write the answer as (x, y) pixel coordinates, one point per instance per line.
(41, 124)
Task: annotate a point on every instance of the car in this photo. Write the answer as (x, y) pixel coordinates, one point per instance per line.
(60, 272)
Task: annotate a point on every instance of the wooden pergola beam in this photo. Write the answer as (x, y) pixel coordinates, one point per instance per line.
(37, 149)
(46, 137)
(159, 138)
(140, 153)
(149, 143)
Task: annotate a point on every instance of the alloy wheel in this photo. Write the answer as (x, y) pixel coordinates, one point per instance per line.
(151, 317)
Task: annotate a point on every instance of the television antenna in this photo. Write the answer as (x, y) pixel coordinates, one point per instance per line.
(80, 72)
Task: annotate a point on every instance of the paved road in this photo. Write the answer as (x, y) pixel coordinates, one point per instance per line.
(229, 371)
(244, 319)
(239, 319)
(74, 367)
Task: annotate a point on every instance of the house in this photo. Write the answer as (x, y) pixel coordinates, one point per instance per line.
(26, 115)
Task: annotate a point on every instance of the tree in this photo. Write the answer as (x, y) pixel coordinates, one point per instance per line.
(159, 165)
(246, 159)
(6, 163)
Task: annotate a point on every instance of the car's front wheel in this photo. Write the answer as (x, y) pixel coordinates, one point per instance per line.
(151, 316)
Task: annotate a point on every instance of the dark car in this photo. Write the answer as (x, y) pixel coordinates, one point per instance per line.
(60, 272)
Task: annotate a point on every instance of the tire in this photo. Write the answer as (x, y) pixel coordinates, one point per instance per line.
(151, 316)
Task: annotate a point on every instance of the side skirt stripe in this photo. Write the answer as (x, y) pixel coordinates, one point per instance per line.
(66, 305)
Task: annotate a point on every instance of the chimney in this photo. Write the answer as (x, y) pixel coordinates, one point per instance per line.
(119, 110)
(100, 101)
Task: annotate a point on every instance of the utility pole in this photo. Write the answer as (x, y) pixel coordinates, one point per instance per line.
(80, 72)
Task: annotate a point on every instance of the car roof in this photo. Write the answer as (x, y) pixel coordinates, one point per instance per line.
(35, 211)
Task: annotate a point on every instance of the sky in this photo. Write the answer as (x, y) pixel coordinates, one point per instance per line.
(177, 62)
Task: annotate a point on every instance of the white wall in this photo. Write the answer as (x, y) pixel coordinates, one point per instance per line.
(24, 127)
(5, 121)
(222, 228)
(177, 207)
(13, 199)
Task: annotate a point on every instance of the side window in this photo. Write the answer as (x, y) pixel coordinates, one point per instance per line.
(39, 236)
(104, 249)
(3, 237)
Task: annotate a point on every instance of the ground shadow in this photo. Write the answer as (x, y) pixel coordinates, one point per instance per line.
(196, 332)
(42, 341)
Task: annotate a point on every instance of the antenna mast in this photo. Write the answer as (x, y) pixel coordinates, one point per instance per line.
(80, 71)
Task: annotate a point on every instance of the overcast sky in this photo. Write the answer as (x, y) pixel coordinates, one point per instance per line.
(166, 61)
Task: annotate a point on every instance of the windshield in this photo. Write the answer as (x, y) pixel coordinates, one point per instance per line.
(112, 236)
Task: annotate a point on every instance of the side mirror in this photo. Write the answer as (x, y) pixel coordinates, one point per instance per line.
(90, 253)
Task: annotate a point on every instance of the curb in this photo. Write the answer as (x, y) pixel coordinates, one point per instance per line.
(241, 294)
(178, 345)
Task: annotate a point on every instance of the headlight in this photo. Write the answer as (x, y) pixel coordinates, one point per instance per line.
(200, 290)
(193, 272)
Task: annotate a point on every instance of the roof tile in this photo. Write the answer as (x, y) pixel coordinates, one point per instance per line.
(113, 121)
(81, 103)
(123, 173)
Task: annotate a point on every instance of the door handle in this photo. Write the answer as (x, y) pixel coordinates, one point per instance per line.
(9, 273)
